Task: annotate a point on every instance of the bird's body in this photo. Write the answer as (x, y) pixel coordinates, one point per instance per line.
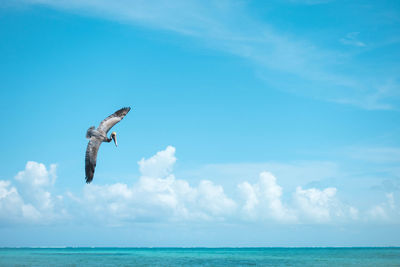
(99, 135)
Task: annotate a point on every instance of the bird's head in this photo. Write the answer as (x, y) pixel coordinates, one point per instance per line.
(114, 137)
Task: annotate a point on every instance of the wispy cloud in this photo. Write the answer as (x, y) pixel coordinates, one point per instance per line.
(228, 26)
(375, 154)
(310, 2)
(351, 39)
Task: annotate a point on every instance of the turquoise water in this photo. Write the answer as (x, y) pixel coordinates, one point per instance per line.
(200, 257)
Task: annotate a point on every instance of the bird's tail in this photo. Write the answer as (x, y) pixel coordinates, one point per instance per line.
(89, 132)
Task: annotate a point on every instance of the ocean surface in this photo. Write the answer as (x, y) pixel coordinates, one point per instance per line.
(199, 256)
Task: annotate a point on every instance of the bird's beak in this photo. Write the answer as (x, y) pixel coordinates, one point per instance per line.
(114, 137)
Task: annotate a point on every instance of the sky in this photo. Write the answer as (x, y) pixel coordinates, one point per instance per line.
(253, 123)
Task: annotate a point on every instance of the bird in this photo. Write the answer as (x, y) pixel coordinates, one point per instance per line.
(99, 135)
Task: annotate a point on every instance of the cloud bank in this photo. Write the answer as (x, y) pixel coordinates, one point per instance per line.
(158, 196)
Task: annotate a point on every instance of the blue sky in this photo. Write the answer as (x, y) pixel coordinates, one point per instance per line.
(253, 124)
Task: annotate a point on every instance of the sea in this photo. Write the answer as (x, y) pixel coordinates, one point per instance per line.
(199, 257)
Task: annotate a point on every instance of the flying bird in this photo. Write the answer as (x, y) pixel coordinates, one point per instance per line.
(99, 135)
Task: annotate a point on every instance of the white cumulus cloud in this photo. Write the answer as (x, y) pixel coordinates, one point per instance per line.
(158, 195)
(322, 205)
(31, 200)
(12, 207)
(385, 211)
(263, 199)
(36, 174)
(158, 165)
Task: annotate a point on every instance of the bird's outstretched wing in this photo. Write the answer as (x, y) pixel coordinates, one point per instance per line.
(91, 157)
(113, 119)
